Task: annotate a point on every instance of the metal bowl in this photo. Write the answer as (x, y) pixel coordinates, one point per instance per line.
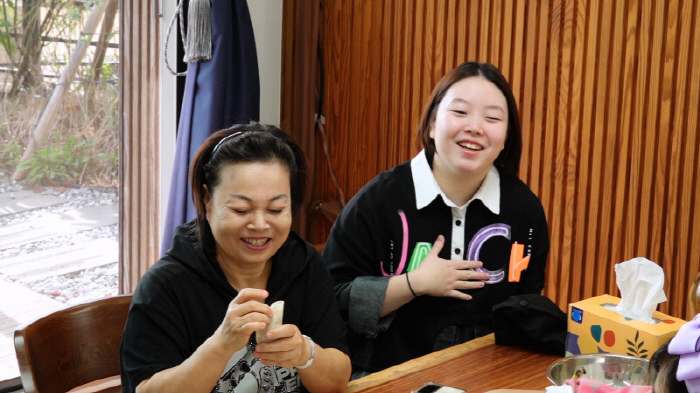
(610, 369)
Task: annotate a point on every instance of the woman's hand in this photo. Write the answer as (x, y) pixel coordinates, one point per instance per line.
(288, 348)
(441, 277)
(246, 314)
(330, 371)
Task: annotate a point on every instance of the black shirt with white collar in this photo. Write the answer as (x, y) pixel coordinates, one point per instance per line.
(389, 226)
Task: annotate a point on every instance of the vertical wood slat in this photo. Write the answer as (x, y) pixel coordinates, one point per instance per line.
(385, 92)
(581, 112)
(139, 109)
(629, 47)
(610, 39)
(606, 102)
(558, 273)
(527, 96)
(690, 174)
(673, 76)
(693, 124)
(298, 106)
(608, 93)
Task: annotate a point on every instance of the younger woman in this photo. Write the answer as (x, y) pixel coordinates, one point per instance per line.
(424, 251)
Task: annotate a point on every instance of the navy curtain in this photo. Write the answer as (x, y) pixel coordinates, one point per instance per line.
(220, 92)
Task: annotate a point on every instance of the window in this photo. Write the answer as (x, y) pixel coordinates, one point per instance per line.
(60, 127)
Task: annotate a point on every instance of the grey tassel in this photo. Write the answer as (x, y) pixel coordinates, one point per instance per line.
(198, 40)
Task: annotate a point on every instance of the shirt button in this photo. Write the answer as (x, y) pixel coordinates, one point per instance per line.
(457, 250)
(458, 223)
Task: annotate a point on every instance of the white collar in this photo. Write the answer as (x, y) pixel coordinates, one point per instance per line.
(427, 188)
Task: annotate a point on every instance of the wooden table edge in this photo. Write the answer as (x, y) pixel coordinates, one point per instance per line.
(414, 365)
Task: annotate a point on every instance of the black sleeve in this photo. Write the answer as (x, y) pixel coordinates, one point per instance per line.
(153, 337)
(353, 254)
(323, 324)
(352, 244)
(533, 279)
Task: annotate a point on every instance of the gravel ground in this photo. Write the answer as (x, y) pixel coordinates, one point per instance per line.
(76, 287)
(80, 287)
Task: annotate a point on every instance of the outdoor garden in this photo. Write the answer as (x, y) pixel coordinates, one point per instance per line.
(59, 147)
(59, 97)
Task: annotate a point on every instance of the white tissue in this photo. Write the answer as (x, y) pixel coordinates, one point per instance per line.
(641, 284)
(559, 389)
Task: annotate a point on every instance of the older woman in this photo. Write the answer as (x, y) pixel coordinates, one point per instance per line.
(190, 327)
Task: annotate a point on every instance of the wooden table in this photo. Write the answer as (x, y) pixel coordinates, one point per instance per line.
(477, 366)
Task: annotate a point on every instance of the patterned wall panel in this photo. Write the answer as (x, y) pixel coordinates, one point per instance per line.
(138, 178)
(609, 95)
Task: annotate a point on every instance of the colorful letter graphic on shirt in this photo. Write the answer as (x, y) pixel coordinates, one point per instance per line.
(419, 253)
(480, 237)
(422, 249)
(518, 262)
(404, 246)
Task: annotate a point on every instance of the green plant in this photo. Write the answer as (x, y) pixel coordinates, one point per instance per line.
(57, 164)
(89, 115)
(10, 154)
(109, 161)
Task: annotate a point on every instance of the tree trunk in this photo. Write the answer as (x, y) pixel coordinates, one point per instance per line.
(102, 41)
(101, 48)
(48, 116)
(29, 69)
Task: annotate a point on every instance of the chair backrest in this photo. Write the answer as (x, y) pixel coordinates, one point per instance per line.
(72, 347)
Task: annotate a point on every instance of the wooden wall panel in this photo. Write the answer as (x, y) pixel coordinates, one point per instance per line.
(300, 31)
(609, 94)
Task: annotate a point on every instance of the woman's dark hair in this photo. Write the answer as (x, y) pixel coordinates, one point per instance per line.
(509, 158)
(665, 366)
(252, 142)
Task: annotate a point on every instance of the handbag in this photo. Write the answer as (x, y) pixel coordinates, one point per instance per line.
(530, 321)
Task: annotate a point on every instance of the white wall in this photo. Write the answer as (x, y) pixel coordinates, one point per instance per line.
(168, 112)
(267, 26)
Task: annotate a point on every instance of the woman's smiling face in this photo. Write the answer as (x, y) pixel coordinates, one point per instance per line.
(250, 212)
(470, 128)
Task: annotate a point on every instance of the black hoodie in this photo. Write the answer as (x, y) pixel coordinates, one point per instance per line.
(183, 299)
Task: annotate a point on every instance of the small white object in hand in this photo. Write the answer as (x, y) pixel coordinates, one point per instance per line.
(277, 313)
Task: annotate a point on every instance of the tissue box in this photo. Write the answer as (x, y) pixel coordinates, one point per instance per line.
(594, 328)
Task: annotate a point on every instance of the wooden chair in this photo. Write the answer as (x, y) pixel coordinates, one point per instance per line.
(73, 348)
